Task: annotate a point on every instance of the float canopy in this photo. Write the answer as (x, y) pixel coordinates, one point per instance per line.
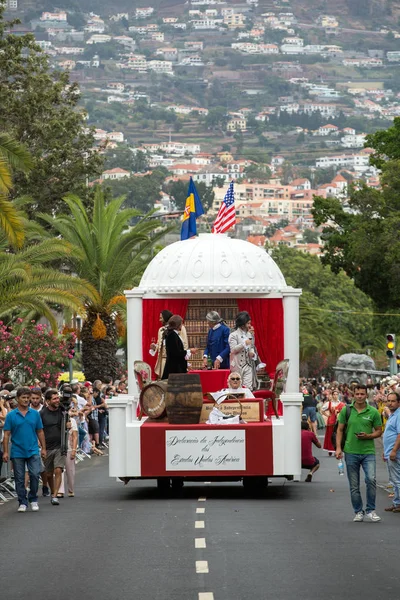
(212, 264)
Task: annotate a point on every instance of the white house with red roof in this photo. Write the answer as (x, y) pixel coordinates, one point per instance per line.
(301, 184)
(329, 190)
(328, 129)
(185, 168)
(348, 131)
(116, 173)
(340, 182)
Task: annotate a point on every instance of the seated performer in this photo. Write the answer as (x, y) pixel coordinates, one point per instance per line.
(235, 386)
(217, 342)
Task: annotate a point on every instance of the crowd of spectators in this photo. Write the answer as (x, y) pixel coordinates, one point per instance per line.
(319, 394)
(84, 409)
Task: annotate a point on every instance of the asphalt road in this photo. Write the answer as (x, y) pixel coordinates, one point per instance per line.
(112, 542)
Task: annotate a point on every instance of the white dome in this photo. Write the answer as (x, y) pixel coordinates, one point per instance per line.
(212, 264)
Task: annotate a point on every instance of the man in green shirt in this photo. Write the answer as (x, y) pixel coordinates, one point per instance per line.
(363, 426)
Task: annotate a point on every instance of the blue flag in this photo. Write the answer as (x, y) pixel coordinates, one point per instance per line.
(193, 209)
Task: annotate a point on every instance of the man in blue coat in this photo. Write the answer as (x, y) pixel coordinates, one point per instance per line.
(217, 342)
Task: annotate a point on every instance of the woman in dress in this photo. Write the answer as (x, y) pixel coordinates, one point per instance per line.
(331, 409)
(243, 352)
(159, 346)
(176, 354)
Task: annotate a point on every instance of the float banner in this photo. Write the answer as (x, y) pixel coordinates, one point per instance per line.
(188, 450)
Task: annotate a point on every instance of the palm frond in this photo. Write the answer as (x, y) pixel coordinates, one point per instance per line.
(11, 222)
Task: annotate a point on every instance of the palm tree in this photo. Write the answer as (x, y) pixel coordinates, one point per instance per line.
(12, 156)
(28, 286)
(112, 256)
(318, 336)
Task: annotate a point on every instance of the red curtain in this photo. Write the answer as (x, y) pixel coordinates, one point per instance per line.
(151, 321)
(267, 319)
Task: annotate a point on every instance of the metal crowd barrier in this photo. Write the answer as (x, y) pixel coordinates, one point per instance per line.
(7, 488)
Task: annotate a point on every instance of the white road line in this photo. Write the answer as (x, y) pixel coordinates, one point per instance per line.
(207, 483)
(199, 524)
(202, 499)
(201, 566)
(199, 542)
(200, 511)
(206, 596)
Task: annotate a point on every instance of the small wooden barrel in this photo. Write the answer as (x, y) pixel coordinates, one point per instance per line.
(152, 399)
(184, 398)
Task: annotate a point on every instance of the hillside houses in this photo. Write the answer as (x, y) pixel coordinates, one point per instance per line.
(251, 79)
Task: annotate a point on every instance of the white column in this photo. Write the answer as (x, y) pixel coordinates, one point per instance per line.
(292, 337)
(118, 408)
(134, 335)
(292, 419)
(292, 399)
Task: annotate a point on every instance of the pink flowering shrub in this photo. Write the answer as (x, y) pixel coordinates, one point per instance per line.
(33, 352)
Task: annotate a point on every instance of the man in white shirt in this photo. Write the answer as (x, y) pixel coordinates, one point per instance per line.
(76, 390)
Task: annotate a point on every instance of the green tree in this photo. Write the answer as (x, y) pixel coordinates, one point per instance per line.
(141, 192)
(112, 255)
(310, 236)
(273, 227)
(288, 172)
(121, 157)
(216, 118)
(334, 315)
(260, 172)
(386, 144)
(364, 241)
(39, 109)
(178, 191)
(140, 163)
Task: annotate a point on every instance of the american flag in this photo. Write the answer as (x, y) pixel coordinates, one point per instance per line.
(226, 217)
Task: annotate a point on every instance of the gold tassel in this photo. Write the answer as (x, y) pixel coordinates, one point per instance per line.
(99, 330)
(121, 329)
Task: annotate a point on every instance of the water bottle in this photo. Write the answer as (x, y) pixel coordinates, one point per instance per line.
(340, 466)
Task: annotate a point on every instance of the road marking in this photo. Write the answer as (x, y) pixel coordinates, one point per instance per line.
(201, 566)
(199, 524)
(207, 483)
(202, 499)
(206, 596)
(199, 542)
(200, 511)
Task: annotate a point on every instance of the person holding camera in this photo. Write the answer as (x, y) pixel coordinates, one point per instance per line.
(37, 404)
(52, 417)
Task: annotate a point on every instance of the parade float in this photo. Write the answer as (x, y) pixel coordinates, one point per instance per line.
(189, 278)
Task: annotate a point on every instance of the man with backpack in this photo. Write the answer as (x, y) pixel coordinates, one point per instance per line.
(360, 428)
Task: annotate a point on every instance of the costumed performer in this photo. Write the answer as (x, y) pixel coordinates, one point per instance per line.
(159, 347)
(176, 355)
(243, 355)
(217, 342)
